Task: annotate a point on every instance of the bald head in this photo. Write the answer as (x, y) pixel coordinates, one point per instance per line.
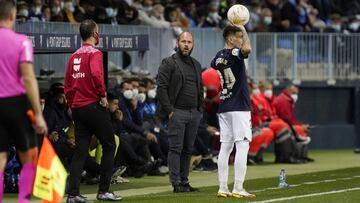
(185, 43)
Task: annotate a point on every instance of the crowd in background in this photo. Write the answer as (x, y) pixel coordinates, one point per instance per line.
(265, 15)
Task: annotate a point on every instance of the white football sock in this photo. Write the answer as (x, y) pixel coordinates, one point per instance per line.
(242, 148)
(223, 165)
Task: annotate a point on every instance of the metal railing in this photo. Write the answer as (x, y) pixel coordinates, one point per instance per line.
(275, 56)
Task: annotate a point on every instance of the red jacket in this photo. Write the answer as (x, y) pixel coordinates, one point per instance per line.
(84, 78)
(284, 106)
(211, 81)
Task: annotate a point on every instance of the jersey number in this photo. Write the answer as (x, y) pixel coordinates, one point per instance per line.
(229, 79)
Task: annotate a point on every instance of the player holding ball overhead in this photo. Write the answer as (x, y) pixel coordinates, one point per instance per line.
(234, 110)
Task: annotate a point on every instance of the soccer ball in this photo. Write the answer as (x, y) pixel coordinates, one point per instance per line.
(238, 14)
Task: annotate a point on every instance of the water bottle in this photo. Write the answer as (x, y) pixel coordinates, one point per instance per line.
(282, 179)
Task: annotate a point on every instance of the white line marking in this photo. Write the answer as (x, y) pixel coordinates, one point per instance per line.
(308, 195)
(305, 183)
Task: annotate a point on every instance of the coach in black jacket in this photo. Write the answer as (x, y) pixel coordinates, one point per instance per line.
(180, 97)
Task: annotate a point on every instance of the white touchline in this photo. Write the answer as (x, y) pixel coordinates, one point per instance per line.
(308, 195)
(305, 183)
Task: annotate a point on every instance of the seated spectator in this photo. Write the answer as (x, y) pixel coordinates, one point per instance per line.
(295, 16)
(56, 11)
(336, 25)
(133, 122)
(133, 150)
(58, 120)
(265, 24)
(22, 11)
(284, 105)
(255, 18)
(128, 15)
(156, 18)
(189, 11)
(35, 13)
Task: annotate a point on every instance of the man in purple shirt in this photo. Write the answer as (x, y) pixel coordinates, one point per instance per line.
(20, 112)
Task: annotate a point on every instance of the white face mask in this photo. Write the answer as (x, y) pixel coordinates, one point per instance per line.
(152, 94)
(141, 97)
(267, 20)
(256, 91)
(37, 10)
(354, 26)
(42, 106)
(109, 12)
(56, 10)
(69, 6)
(268, 93)
(294, 97)
(135, 92)
(24, 12)
(128, 94)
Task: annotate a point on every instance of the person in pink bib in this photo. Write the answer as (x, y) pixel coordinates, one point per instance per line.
(20, 111)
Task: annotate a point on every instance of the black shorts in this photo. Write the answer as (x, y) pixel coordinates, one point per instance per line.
(15, 126)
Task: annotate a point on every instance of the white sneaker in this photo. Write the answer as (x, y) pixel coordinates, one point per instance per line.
(164, 169)
(242, 194)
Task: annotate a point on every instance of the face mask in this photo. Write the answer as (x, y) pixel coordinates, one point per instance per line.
(109, 12)
(24, 12)
(141, 97)
(152, 94)
(135, 92)
(56, 10)
(42, 107)
(294, 97)
(256, 92)
(37, 10)
(337, 27)
(268, 93)
(205, 94)
(354, 26)
(128, 94)
(267, 20)
(69, 6)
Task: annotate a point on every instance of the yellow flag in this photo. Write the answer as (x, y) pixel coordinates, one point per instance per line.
(50, 179)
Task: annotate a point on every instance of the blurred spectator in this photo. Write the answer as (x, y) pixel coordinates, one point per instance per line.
(111, 9)
(213, 19)
(22, 11)
(317, 24)
(128, 15)
(156, 18)
(69, 9)
(255, 12)
(172, 15)
(35, 13)
(336, 24)
(56, 11)
(265, 24)
(46, 12)
(275, 7)
(294, 16)
(189, 9)
(354, 25)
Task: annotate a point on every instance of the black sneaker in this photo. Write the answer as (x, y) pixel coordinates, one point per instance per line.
(179, 189)
(108, 196)
(76, 199)
(190, 188)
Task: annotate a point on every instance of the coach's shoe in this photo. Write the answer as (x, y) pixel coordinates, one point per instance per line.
(108, 196)
(242, 194)
(190, 188)
(76, 199)
(224, 194)
(180, 189)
